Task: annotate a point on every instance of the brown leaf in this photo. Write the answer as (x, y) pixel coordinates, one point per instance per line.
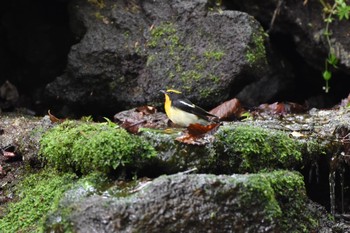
(228, 110)
(132, 127)
(198, 134)
(282, 108)
(54, 119)
(198, 129)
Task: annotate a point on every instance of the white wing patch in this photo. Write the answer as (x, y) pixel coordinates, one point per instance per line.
(189, 105)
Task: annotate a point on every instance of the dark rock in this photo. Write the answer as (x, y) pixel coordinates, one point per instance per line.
(8, 95)
(278, 83)
(130, 50)
(296, 28)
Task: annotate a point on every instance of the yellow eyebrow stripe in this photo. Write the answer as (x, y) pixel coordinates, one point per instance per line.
(175, 91)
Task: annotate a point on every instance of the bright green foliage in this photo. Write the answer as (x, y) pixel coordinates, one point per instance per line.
(87, 147)
(343, 10)
(253, 149)
(38, 194)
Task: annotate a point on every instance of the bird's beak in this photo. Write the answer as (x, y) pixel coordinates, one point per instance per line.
(164, 92)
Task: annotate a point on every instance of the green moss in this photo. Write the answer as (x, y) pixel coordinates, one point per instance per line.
(166, 39)
(87, 147)
(217, 55)
(190, 75)
(57, 220)
(38, 194)
(164, 35)
(290, 193)
(257, 191)
(285, 199)
(214, 78)
(206, 92)
(256, 52)
(252, 149)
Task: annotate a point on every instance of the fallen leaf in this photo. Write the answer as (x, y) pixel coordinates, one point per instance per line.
(198, 134)
(198, 129)
(228, 110)
(132, 127)
(282, 108)
(54, 119)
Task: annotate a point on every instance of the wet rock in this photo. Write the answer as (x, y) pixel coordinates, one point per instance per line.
(130, 50)
(23, 133)
(198, 203)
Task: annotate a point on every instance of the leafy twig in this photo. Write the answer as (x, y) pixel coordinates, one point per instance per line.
(342, 10)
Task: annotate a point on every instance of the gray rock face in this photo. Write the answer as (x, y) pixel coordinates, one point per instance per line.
(184, 203)
(129, 51)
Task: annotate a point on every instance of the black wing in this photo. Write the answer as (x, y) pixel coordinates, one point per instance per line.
(186, 105)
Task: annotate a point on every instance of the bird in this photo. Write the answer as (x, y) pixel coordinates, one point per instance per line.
(183, 112)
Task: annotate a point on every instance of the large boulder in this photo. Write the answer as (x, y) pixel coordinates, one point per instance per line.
(267, 202)
(129, 51)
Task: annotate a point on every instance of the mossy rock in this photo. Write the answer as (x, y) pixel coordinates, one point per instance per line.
(200, 203)
(87, 147)
(236, 148)
(252, 149)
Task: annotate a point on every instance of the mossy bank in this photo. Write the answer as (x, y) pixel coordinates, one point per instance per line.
(87, 147)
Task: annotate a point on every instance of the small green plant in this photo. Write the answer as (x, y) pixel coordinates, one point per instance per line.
(87, 118)
(342, 10)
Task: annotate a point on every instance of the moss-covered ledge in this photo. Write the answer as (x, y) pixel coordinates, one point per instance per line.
(237, 148)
